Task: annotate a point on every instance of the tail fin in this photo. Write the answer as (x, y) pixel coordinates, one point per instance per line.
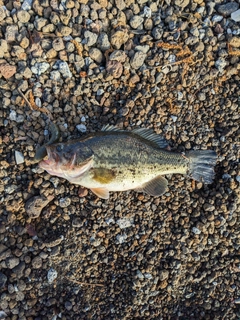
(201, 165)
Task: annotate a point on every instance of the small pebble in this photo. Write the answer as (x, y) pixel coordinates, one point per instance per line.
(81, 127)
(119, 38)
(27, 5)
(136, 21)
(235, 15)
(3, 314)
(196, 230)
(137, 60)
(7, 70)
(40, 67)
(63, 68)
(96, 55)
(118, 55)
(124, 223)
(3, 280)
(12, 262)
(114, 68)
(103, 42)
(19, 157)
(51, 275)
(182, 3)
(121, 238)
(35, 205)
(227, 8)
(90, 38)
(147, 12)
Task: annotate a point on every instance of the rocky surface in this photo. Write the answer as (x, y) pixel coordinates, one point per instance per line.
(65, 254)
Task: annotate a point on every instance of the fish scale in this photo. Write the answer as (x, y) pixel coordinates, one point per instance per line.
(136, 160)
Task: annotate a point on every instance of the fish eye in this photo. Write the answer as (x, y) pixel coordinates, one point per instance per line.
(59, 148)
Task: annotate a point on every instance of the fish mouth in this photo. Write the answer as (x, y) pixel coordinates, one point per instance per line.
(51, 159)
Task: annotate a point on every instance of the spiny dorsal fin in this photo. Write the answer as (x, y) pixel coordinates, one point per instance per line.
(110, 127)
(145, 133)
(150, 135)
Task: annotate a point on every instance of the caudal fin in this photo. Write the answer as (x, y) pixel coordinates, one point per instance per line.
(202, 164)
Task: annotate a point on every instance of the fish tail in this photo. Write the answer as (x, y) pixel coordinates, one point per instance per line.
(202, 164)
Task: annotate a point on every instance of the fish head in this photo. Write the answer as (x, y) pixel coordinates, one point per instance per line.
(67, 160)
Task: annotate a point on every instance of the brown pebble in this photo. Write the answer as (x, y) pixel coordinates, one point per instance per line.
(114, 68)
(82, 192)
(140, 197)
(35, 205)
(7, 70)
(163, 284)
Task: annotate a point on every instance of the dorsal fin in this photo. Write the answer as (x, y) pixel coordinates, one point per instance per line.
(110, 127)
(145, 133)
(150, 135)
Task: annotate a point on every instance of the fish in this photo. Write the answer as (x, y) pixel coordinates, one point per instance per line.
(119, 160)
(42, 151)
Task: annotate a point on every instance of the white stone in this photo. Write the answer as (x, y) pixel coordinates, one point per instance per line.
(81, 127)
(3, 315)
(38, 102)
(140, 275)
(236, 32)
(109, 221)
(124, 223)
(172, 58)
(40, 67)
(236, 15)
(100, 92)
(217, 18)
(19, 157)
(27, 5)
(121, 238)
(180, 95)
(196, 230)
(55, 75)
(147, 12)
(51, 275)
(64, 69)
(13, 115)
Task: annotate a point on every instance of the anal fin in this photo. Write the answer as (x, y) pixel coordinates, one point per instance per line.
(102, 193)
(154, 187)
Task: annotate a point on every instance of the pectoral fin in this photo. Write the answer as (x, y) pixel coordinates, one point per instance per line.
(154, 187)
(102, 193)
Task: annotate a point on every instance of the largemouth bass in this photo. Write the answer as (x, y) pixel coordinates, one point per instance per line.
(118, 160)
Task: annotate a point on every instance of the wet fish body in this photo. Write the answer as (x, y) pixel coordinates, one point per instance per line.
(118, 160)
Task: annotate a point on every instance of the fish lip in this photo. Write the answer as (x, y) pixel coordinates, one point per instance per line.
(48, 161)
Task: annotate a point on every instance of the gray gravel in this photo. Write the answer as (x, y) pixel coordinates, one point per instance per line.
(65, 254)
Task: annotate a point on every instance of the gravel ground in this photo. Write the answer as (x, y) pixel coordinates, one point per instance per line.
(170, 65)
